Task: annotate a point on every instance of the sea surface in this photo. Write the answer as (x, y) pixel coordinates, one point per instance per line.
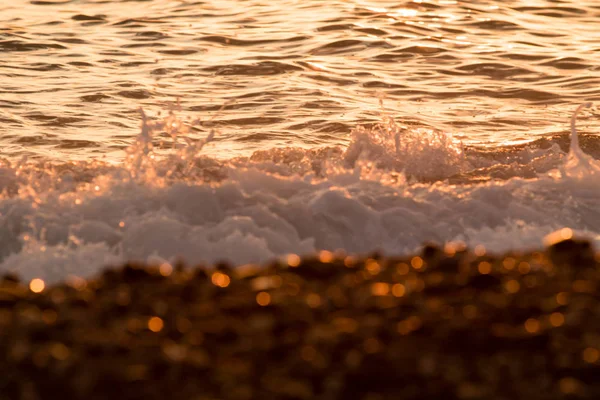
(246, 130)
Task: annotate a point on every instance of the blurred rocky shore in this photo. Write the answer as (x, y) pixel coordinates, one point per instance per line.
(448, 323)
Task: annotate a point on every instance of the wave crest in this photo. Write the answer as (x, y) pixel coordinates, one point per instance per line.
(419, 152)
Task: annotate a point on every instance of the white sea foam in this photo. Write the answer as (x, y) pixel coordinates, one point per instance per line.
(419, 152)
(382, 193)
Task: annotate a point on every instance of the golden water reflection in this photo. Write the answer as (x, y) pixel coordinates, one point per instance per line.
(292, 73)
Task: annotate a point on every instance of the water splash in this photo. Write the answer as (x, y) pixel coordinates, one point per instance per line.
(143, 163)
(418, 152)
(140, 151)
(74, 218)
(579, 165)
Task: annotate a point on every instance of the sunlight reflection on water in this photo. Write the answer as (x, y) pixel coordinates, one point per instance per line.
(292, 73)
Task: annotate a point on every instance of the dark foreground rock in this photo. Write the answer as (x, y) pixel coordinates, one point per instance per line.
(447, 324)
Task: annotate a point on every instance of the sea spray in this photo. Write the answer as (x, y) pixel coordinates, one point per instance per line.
(579, 165)
(178, 202)
(418, 152)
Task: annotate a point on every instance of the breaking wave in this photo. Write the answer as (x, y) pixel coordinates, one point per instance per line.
(391, 190)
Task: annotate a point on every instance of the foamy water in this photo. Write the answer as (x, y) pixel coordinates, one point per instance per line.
(263, 134)
(390, 190)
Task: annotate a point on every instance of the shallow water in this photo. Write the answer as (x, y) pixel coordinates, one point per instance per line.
(263, 131)
(291, 73)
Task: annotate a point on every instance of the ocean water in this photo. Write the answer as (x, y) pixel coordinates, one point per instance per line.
(244, 131)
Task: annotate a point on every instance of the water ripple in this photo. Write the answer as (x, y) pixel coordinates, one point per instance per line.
(74, 73)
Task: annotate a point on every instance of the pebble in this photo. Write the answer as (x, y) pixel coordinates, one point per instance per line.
(445, 324)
